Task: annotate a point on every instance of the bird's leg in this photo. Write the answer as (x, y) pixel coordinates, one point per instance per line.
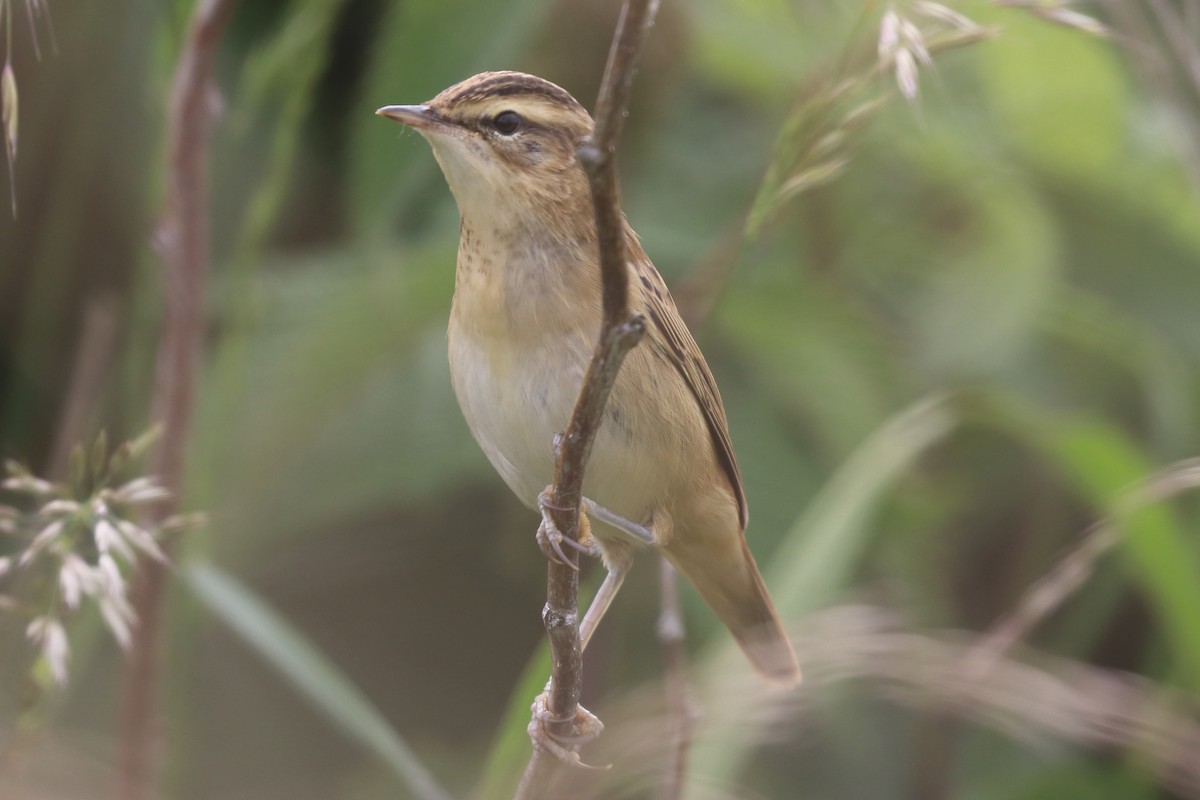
(644, 534)
(551, 540)
(618, 557)
(601, 602)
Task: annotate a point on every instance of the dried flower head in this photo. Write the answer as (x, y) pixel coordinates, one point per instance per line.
(9, 104)
(8, 120)
(902, 50)
(80, 540)
(50, 636)
(37, 11)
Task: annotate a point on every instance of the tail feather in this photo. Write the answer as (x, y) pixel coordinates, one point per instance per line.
(734, 588)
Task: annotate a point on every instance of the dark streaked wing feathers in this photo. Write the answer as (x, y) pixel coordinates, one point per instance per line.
(671, 338)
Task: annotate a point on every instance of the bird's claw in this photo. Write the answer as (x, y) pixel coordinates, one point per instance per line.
(584, 727)
(550, 539)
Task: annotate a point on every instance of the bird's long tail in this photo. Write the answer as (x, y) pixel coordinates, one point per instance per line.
(734, 588)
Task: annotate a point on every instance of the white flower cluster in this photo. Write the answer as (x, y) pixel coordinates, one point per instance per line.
(85, 547)
(904, 47)
(901, 49)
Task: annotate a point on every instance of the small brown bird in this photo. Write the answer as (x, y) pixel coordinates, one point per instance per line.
(524, 322)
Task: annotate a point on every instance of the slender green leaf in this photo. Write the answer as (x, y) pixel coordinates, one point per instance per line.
(827, 541)
(311, 672)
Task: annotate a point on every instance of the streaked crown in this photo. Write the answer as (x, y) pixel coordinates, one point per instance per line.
(480, 100)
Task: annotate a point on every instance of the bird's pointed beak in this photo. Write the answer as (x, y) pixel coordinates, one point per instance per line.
(418, 117)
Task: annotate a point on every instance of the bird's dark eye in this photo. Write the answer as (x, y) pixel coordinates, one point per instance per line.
(507, 123)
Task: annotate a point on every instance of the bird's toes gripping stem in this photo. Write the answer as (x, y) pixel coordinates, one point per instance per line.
(584, 727)
(550, 539)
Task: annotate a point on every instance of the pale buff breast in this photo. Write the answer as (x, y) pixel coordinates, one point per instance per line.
(517, 376)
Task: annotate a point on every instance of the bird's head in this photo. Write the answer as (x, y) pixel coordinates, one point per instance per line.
(506, 143)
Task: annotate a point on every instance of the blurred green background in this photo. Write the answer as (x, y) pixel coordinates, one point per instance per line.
(940, 365)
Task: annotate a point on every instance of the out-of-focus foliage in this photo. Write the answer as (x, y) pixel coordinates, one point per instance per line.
(942, 360)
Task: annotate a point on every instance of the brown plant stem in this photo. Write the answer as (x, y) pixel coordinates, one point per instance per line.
(619, 332)
(183, 243)
(679, 700)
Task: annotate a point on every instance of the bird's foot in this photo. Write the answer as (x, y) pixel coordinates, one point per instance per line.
(551, 540)
(584, 727)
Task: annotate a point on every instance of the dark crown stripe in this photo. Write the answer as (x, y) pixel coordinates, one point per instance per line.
(510, 84)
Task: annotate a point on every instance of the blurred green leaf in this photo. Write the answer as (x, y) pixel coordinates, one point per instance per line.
(340, 404)
(1060, 95)
(281, 78)
(980, 308)
(1106, 333)
(1076, 779)
(827, 542)
(1106, 465)
(808, 344)
(313, 675)
(760, 47)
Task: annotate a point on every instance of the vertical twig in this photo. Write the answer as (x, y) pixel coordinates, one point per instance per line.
(679, 700)
(620, 331)
(183, 242)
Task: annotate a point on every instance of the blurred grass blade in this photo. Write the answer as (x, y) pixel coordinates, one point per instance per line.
(1109, 469)
(1104, 464)
(314, 675)
(824, 545)
(282, 78)
(818, 557)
